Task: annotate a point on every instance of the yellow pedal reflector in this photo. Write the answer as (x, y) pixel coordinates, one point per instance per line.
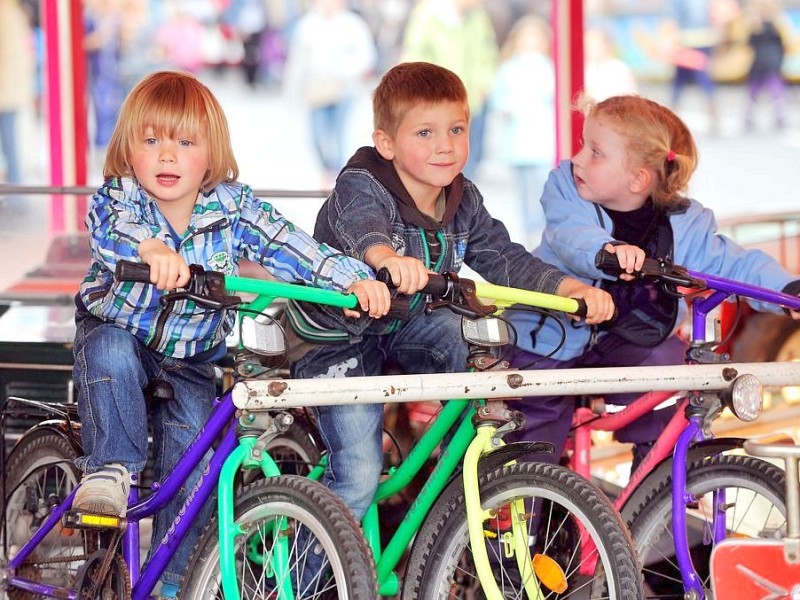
(549, 573)
(75, 519)
(89, 520)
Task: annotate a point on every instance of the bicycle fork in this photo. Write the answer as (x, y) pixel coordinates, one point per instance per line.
(485, 441)
(692, 584)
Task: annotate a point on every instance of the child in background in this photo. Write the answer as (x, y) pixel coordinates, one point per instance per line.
(171, 199)
(404, 205)
(605, 73)
(766, 40)
(623, 191)
(524, 96)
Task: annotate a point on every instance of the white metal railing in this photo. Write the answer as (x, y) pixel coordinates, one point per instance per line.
(285, 393)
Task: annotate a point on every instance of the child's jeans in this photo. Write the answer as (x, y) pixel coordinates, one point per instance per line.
(111, 370)
(353, 433)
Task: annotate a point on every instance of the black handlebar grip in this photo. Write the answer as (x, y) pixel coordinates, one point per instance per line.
(132, 271)
(608, 263)
(437, 285)
(582, 308)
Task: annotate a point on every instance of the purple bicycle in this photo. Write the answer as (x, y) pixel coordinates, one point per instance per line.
(694, 490)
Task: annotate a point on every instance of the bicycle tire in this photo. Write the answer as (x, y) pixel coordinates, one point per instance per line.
(755, 500)
(439, 565)
(41, 473)
(311, 508)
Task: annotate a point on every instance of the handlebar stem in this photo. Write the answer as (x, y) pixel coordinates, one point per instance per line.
(700, 310)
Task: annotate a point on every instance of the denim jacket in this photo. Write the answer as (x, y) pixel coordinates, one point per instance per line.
(227, 224)
(370, 206)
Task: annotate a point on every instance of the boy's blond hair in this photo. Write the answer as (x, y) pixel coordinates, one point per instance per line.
(410, 84)
(173, 104)
(656, 139)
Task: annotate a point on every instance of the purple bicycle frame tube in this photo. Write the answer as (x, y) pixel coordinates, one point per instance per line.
(220, 417)
(691, 581)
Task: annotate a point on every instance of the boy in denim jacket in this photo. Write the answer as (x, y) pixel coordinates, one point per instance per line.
(404, 205)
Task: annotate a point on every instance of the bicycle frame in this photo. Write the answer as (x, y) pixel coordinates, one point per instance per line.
(143, 580)
(681, 433)
(260, 395)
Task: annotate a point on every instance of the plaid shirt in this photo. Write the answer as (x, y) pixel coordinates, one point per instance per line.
(227, 224)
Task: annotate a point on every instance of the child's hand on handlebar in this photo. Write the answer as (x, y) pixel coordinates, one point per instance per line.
(373, 298)
(168, 270)
(409, 274)
(631, 258)
(599, 304)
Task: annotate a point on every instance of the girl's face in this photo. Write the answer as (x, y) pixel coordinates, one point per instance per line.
(172, 170)
(429, 149)
(601, 172)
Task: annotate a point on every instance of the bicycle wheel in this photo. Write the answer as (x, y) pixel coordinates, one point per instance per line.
(755, 508)
(325, 546)
(573, 524)
(40, 473)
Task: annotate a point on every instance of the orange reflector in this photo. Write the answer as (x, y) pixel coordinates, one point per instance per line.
(549, 573)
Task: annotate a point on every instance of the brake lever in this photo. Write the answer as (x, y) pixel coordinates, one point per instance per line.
(207, 289)
(201, 300)
(465, 302)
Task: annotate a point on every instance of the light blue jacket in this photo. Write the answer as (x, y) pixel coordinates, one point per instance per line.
(574, 234)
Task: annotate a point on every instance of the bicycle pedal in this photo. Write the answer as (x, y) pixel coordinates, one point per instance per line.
(76, 519)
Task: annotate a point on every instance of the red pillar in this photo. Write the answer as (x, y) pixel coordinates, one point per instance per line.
(66, 109)
(567, 23)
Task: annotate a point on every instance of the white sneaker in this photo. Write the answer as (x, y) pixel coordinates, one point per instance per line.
(104, 492)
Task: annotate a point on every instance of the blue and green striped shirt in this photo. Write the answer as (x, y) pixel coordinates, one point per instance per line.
(228, 224)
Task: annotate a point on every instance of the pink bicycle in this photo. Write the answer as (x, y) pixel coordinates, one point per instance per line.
(692, 490)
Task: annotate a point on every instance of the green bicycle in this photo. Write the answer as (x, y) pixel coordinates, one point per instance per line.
(483, 525)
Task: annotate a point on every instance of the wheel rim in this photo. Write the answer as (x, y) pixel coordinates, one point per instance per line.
(753, 511)
(561, 532)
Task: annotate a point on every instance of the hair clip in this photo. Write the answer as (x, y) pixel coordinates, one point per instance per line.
(671, 155)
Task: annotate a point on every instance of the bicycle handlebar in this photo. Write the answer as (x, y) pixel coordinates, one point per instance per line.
(463, 296)
(211, 290)
(666, 271)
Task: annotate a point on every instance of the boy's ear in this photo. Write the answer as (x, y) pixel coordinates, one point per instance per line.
(642, 180)
(383, 144)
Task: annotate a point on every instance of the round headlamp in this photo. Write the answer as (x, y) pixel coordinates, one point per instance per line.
(746, 397)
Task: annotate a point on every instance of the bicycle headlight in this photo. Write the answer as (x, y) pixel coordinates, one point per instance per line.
(263, 335)
(486, 331)
(745, 397)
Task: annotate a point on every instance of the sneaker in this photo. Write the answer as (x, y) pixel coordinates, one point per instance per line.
(104, 492)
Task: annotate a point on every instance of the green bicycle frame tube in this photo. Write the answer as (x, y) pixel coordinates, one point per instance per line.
(447, 465)
(228, 530)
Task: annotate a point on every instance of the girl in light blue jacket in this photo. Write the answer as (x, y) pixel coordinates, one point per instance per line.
(623, 191)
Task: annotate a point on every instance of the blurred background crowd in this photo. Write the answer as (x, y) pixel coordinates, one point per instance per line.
(295, 75)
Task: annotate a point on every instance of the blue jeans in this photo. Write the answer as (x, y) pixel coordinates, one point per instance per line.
(353, 433)
(548, 418)
(111, 369)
